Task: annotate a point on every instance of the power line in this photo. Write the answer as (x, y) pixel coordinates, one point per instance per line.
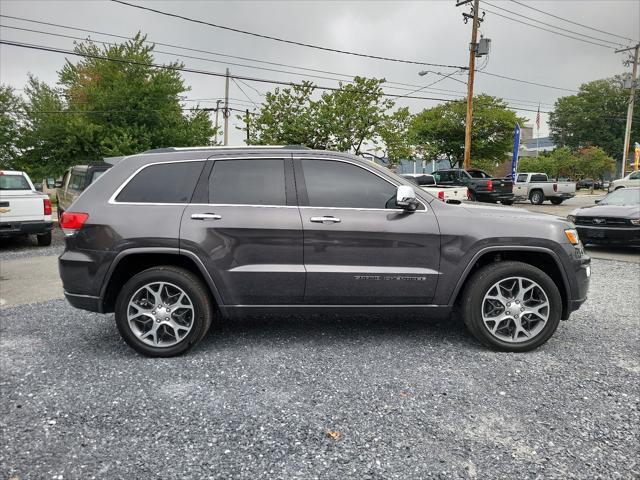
(545, 29)
(245, 93)
(192, 70)
(283, 40)
(571, 21)
(526, 81)
(444, 77)
(553, 26)
(388, 83)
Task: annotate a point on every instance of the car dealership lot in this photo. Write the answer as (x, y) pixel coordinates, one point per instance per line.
(326, 397)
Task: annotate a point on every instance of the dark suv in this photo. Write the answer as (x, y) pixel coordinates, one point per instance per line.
(166, 238)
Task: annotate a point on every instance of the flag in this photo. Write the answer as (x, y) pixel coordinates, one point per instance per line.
(538, 118)
(516, 147)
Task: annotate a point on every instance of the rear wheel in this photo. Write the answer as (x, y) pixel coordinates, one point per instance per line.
(44, 240)
(163, 311)
(557, 201)
(536, 197)
(511, 306)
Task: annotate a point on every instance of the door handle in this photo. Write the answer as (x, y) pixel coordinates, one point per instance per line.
(325, 220)
(205, 216)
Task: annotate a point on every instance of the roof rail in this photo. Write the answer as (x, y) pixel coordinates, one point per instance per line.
(228, 147)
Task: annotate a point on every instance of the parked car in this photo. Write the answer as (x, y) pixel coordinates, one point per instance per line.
(613, 220)
(165, 240)
(631, 180)
(49, 186)
(482, 187)
(75, 181)
(23, 210)
(536, 187)
(445, 193)
(588, 183)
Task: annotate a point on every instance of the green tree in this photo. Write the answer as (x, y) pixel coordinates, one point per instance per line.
(439, 131)
(10, 118)
(394, 133)
(593, 162)
(288, 116)
(596, 115)
(561, 162)
(107, 108)
(346, 119)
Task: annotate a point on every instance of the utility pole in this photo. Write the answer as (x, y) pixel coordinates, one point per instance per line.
(473, 50)
(246, 113)
(225, 113)
(632, 95)
(218, 102)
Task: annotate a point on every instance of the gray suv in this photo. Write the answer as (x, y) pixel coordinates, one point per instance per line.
(168, 238)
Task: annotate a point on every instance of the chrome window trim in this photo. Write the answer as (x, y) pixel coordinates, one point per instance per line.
(363, 167)
(112, 199)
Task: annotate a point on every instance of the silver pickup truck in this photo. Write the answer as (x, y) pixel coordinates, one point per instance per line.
(536, 187)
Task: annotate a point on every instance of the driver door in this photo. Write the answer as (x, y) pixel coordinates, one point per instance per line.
(359, 248)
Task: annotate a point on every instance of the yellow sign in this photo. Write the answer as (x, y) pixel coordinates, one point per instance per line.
(636, 157)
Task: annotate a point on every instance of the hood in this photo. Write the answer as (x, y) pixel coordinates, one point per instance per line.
(506, 212)
(621, 211)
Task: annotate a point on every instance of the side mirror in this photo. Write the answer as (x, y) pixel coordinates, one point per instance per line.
(406, 197)
(598, 201)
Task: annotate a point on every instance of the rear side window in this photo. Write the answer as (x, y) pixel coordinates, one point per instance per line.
(338, 184)
(478, 174)
(163, 183)
(77, 181)
(539, 178)
(14, 182)
(446, 176)
(96, 175)
(248, 182)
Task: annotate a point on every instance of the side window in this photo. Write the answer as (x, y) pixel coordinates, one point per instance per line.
(522, 178)
(539, 178)
(96, 175)
(163, 183)
(634, 176)
(248, 182)
(338, 184)
(77, 181)
(444, 177)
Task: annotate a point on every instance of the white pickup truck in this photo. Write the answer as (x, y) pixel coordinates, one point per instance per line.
(536, 187)
(23, 210)
(445, 193)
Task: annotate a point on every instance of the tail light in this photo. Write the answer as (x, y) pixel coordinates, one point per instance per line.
(47, 206)
(468, 194)
(490, 185)
(555, 187)
(441, 195)
(70, 222)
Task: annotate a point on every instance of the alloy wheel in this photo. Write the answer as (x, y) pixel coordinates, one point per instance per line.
(515, 309)
(160, 314)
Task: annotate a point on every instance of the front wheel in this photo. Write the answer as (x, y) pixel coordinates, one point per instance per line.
(557, 201)
(511, 306)
(163, 311)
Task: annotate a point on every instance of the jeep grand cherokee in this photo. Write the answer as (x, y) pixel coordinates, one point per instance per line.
(166, 238)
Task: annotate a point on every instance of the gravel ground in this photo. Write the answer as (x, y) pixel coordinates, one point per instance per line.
(324, 398)
(22, 247)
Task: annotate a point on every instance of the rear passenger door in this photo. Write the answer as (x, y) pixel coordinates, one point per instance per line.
(245, 227)
(359, 248)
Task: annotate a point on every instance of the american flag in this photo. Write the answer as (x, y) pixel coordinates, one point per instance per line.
(538, 118)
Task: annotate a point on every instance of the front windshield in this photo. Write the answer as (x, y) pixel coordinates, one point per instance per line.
(624, 196)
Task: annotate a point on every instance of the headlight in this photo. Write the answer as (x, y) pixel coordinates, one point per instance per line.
(571, 218)
(572, 236)
(635, 221)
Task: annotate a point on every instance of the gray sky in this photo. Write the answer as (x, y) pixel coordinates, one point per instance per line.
(430, 31)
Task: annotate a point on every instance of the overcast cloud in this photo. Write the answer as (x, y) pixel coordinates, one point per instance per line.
(430, 31)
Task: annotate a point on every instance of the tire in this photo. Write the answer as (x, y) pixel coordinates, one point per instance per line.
(536, 197)
(44, 240)
(484, 281)
(158, 330)
(557, 201)
(507, 202)
(618, 188)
